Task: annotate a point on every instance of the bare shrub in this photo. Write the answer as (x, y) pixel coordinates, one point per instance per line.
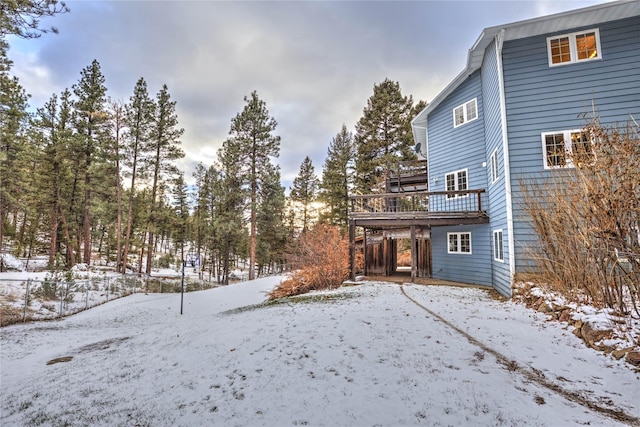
(587, 220)
(320, 260)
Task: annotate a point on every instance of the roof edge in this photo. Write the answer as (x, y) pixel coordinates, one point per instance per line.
(528, 27)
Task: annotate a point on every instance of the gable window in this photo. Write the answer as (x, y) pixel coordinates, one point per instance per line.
(456, 181)
(493, 162)
(574, 47)
(498, 246)
(459, 243)
(565, 148)
(465, 113)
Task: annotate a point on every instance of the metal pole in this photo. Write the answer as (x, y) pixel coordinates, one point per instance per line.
(86, 290)
(61, 299)
(182, 287)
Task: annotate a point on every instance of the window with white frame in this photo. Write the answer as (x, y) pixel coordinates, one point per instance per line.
(566, 148)
(498, 246)
(459, 243)
(493, 163)
(465, 113)
(574, 47)
(456, 181)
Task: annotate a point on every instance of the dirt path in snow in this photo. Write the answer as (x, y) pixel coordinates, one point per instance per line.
(533, 374)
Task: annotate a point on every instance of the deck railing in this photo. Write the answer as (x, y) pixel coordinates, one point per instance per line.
(408, 168)
(387, 204)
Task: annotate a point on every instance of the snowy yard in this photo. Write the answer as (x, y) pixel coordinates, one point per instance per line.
(363, 355)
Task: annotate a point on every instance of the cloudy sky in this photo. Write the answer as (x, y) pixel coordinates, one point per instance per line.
(313, 63)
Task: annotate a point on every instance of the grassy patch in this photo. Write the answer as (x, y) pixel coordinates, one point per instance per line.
(298, 299)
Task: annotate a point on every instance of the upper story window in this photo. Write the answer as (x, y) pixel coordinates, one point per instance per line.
(493, 162)
(498, 246)
(465, 113)
(565, 148)
(456, 181)
(574, 47)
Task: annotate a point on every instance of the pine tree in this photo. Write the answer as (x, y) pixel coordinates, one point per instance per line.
(252, 140)
(138, 119)
(305, 187)
(229, 206)
(22, 18)
(337, 179)
(181, 210)
(90, 117)
(164, 147)
(383, 134)
(272, 236)
(117, 127)
(200, 226)
(13, 123)
(54, 123)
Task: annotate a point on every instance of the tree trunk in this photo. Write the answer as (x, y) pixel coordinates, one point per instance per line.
(70, 255)
(54, 235)
(86, 222)
(149, 254)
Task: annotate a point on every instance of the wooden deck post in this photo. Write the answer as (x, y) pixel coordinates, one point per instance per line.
(352, 249)
(414, 254)
(385, 255)
(366, 256)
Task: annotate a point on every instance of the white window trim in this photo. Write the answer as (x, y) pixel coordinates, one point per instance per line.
(465, 119)
(459, 251)
(567, 147)
(573, 47)
(457, 184)
(498, 251)
(493, 163)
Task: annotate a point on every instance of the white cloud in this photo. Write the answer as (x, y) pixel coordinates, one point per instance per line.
(314, 63)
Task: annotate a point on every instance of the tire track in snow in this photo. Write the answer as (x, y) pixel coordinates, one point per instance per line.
(532, 374)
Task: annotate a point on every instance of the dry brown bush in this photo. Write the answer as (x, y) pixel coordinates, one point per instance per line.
(404, 259)
(587, 221)
(319, 259)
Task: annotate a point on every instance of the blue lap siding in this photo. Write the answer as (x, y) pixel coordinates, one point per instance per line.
(540, 98)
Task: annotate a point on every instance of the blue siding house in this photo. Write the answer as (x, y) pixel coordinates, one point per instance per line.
(510, 115)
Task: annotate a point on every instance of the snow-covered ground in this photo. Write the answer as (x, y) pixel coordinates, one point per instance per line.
(362, 355)
(89, 287)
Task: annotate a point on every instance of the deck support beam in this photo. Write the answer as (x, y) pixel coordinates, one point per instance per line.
(352, 249)
(414, 254)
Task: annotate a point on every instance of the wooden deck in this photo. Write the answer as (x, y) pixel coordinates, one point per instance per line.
(420, 208)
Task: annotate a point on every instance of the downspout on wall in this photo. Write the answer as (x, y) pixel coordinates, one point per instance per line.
(505, 150)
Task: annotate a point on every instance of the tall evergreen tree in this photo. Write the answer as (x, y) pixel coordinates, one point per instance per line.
(90, 117)
(22, 17)
(272, 234)
(54, 122)
(230, 195)
(383, 134)
(181, 210)
(337, 179)
(164, 147)
(13, 123)
(117, 127)
(138, 119)
(202, 189)
(305, 187)
(252, 139)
